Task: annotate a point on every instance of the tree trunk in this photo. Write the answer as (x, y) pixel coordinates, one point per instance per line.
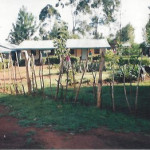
(9, 74)
(59, 77)
(125, 93)
(137, 92)
(49, 68)
(4, 84)
(99, 88)
(73, 74)
(27, 60)
(94, 84)
(67, 74)
(34, 74)
(112, 91)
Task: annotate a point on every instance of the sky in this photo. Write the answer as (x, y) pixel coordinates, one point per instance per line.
(135, 12)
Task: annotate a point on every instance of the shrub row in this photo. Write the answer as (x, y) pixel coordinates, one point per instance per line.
(56, 60)
(134, 60)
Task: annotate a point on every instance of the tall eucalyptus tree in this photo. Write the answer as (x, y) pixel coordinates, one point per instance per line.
(47, 17)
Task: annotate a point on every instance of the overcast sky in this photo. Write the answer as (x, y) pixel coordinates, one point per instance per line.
(135, 12)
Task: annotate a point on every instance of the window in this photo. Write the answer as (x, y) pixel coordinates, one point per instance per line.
(96, 51)
(72, 51)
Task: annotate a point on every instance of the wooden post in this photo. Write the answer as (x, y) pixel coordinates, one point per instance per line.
(33, 69)
(73, 74)
(27, 60)
(67, 74)
(59, 77)
(77, 94)
(94, 83)
(4, 87)
(9, 74)
(20, 74)
(99, 88)
(112, 89)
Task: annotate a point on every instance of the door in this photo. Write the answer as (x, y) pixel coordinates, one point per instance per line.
(84, 54)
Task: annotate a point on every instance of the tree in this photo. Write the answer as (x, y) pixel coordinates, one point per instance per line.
(24, 28)
(75, 16)
(47, 16)
(148, 32)
(102, 12)
(61, 50)
(127, 34)
(53, 34)
(48, 12)
(83, 28)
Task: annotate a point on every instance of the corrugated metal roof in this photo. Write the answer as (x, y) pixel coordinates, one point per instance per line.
(8, 45)
(4, 50)
(87, 43)
(71, 43)
(45, 44)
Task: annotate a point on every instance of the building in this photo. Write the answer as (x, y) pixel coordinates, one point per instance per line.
(6, 49)
(78, 47)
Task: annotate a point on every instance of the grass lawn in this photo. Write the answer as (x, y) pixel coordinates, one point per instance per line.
(45, 112)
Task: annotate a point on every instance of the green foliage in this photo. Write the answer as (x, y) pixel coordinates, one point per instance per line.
(133, 50)
(24, 28)
(74, 59)
(56, 60)
(130, 73)
(96, 57)
(127, 34)
(148, 31)
(128, 60)
(145, 61)
(110, 56)
(60, 40)
(47, 12)
(53, 60)
(83, 27)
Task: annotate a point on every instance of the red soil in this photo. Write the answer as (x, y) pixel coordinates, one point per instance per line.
(14, 136)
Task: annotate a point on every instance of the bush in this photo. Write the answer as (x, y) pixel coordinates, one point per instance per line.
(74, 59)
(146, 61)
(131, 74)
(55, 60)
(96, 57)
(126, 60)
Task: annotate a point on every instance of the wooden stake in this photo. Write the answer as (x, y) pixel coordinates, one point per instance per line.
(20, 74)
(99, 88)
(59, 77)
(77, 93)
(27, 60)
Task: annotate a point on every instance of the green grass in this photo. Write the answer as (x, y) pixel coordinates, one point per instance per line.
(44, 112)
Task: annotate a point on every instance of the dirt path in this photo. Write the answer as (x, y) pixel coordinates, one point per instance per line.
(14, 136)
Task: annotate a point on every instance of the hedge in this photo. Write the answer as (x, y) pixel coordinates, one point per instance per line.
(56, 60)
